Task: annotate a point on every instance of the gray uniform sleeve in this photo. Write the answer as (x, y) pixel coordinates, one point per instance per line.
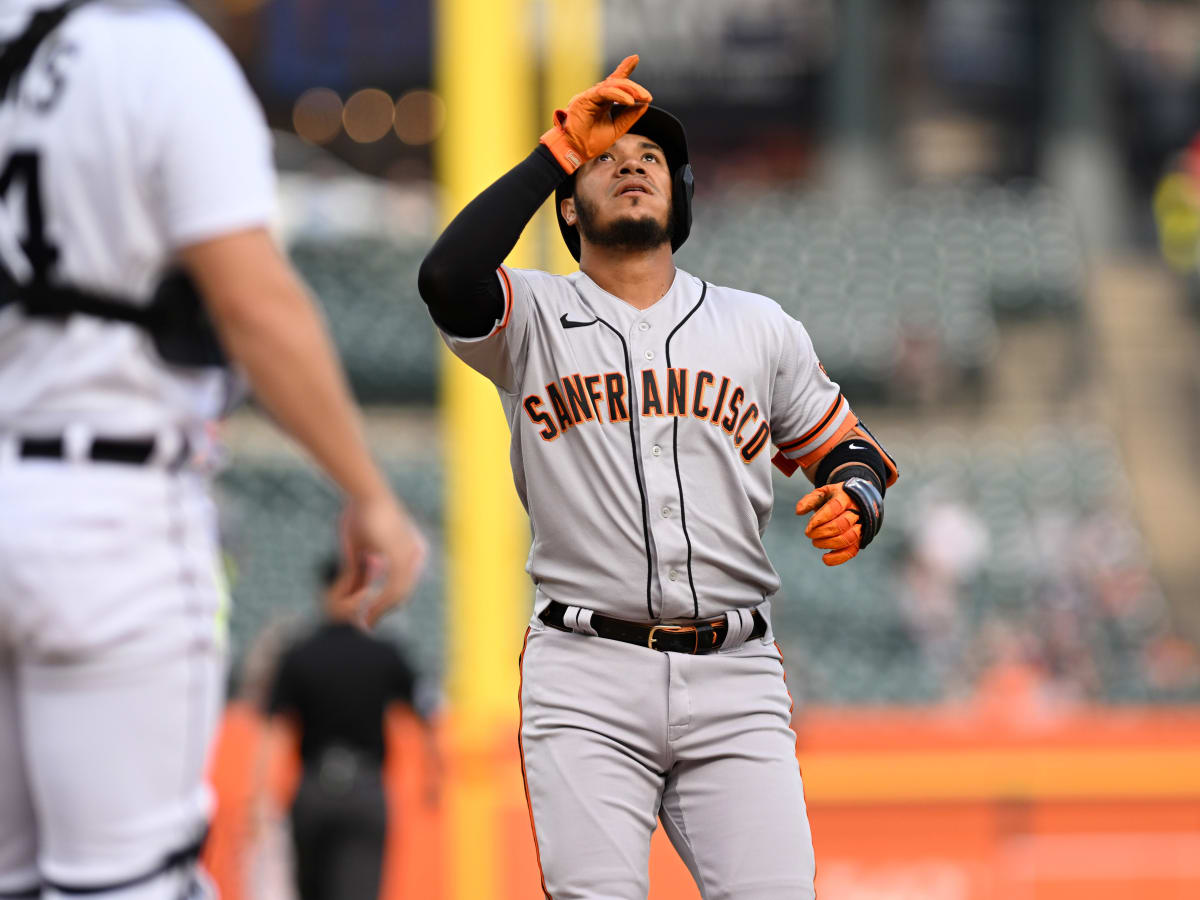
(500, 354)
(809, 415)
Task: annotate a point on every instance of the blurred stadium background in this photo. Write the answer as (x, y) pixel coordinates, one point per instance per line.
(987, 213)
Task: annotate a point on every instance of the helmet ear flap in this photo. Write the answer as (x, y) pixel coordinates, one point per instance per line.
(570, 233)
(683, 186)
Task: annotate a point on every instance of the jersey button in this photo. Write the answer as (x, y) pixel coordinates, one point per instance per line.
(649, 354)
(673, 575)
(656, 450)
(666, 512)
(643, 326)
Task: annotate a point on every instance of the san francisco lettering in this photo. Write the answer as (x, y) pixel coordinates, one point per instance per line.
(576, 399)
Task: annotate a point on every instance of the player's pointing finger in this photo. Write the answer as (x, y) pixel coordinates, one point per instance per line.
(625, 67)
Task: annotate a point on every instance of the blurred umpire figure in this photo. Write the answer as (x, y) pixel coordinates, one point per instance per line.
(136, 187)
(331, 696)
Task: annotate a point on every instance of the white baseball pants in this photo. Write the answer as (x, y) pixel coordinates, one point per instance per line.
(111, 675)
(615, 736)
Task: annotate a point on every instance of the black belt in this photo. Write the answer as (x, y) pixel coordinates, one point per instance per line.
(704, 636)
(132, 452)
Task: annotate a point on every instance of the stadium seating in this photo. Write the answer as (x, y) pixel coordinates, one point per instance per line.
(919, 280)
(1057, 542)
(368, 288)
(278, 528)
(1040, 540)
(1060, 550)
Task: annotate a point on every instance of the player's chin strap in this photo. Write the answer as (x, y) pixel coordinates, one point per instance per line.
(183, 858)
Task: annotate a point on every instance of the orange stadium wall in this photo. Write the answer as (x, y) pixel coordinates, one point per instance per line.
(942, 804)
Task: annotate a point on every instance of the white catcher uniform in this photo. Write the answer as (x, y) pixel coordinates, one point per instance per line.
(640, 448)
(131, 133)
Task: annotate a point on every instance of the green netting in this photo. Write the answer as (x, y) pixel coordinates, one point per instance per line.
(368, 289)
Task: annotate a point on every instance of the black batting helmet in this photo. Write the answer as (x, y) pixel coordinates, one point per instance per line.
(667, 131)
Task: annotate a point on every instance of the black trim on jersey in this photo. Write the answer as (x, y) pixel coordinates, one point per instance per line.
(27, 894)
(637, 466)
(675, 455)
(812, 433)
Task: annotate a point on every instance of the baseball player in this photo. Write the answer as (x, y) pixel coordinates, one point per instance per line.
(136, 187)
(642, 402)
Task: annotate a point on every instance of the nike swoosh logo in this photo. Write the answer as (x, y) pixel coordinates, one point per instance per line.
(567, 323)
(854, 446)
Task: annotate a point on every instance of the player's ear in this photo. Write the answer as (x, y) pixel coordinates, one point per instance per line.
(567, 208)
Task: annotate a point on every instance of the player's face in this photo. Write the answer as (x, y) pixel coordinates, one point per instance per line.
(623, 196)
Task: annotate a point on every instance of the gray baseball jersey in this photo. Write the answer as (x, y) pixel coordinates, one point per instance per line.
(640, 438)
(641, 450)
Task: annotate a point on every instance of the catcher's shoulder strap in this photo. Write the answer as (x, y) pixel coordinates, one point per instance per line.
(17, 53)
(175, 318)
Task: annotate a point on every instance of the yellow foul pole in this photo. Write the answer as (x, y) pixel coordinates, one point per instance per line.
(485, 74)
(486, 65)
(573, 55)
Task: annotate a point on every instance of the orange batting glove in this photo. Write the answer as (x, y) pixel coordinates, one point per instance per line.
(596, 118)
(834, 526)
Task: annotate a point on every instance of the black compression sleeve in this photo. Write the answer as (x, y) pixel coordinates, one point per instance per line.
(457, 279)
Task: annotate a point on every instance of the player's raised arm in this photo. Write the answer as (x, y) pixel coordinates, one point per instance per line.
(457, 279)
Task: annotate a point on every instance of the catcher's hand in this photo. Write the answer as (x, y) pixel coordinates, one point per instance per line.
(596, 118)
(847, 516)
(383, 554)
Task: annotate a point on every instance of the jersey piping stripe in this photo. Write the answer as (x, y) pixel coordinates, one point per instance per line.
(637, 466)
(537, 850)
(791, 725)
(829, 443)
(836, 426)
(675, 456)
(508, 298)
(816, 429)
(194, 742)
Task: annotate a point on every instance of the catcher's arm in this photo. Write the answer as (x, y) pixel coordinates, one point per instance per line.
(847, 505)
(272, 329)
